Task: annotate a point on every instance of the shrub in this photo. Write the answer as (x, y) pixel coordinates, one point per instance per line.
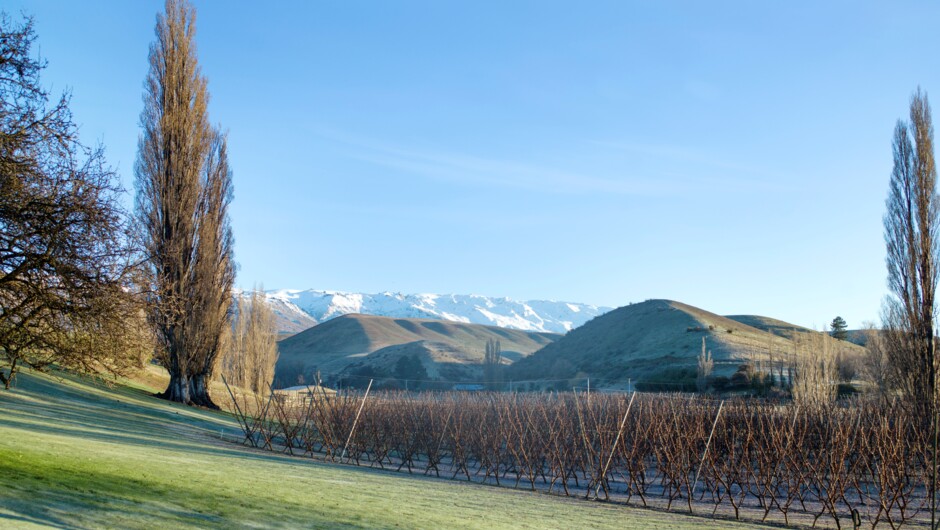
(680, 379)
(845, 390)
(720, 383)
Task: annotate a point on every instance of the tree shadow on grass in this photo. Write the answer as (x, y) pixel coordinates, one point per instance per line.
(57, 408)
(76, 493)
(83, 498)
(8, 519)
(134, 418)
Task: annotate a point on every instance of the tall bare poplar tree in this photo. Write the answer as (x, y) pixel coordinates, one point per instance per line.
(911, 224)
(705, 366)
(492, 365)
(184, 187)
(815, 370)
(251, 353)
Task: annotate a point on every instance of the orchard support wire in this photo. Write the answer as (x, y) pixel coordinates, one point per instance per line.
(355, 421)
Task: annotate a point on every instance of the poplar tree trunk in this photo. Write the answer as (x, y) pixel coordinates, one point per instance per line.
(191, 390)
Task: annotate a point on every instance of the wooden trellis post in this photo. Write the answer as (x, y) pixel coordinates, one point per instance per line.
(242, 419)
(355, 421)
(705, 452)
(613, 449)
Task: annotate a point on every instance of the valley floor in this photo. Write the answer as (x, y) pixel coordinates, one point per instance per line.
(74, 454)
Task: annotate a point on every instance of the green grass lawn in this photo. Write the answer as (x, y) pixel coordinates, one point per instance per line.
(77, 455)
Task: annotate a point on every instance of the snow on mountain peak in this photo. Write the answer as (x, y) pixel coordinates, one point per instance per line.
(312, 306)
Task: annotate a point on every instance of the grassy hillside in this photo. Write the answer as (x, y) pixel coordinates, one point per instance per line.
(642, 340)
(449, 350)
(861, 336)
(76, 455)
(772, 325)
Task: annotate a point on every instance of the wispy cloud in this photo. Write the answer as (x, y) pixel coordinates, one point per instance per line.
(676, 170)
(711, 170)
(473, 170)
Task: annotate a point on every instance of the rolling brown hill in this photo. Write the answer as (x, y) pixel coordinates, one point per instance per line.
(639, 341)
(448, 350)
(772, 325)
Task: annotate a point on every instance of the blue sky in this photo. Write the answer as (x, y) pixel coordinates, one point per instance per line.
(731, 155)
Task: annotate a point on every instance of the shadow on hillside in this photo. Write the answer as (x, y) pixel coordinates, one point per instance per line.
(8, 520)
(120, 415)
(84, 495)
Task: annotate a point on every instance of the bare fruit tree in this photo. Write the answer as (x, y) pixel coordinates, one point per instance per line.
(861, 462)
(184, 188)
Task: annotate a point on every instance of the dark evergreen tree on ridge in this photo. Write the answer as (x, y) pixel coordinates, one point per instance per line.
(838, 328)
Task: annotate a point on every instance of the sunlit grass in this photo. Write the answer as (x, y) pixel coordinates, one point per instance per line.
(77, 455)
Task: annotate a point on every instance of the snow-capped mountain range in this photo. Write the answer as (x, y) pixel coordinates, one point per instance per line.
(298, 310)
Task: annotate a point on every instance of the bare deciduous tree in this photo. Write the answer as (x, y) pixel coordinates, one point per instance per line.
(705, 366)
(876, 363)
(64, 289)
(815, 373)
(184, 187)
(911, 225)
(492, 365)
(251, 353)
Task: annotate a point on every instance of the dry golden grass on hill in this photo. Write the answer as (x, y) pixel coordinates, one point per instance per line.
(640, 340)
(447, 349)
